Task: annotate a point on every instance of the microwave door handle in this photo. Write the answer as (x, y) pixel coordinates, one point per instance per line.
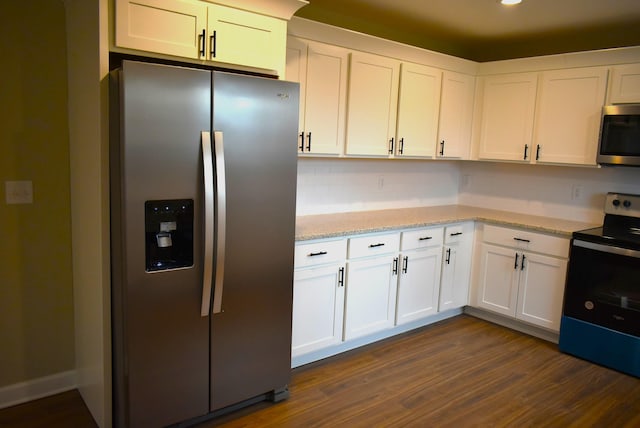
(207, 160)
(221, 223)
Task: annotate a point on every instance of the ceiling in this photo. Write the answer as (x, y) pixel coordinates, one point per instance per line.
(485, 30)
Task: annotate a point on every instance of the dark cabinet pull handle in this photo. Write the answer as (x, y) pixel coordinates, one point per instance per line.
(380, 244)
(448, 258)
(538, 152)
(395, 266)
(405, 264)
(521, 240)
(424, 238)
(341, 277)
(442, 148)
(391, 145)
(401, 146)
(522, 263)
(301, 147)
(319, 253)
(455, 234)
(526, 148)
(309, 141)
(213, 43)
(515, 265)
(201, 42)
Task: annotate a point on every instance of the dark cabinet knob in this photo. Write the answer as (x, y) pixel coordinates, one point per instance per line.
(616, 202)
(626, 203)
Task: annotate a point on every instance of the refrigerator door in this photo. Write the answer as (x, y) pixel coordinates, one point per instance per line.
(161, 343)
(256, 120)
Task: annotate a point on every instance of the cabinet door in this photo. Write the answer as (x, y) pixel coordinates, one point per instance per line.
(325, 99)
(569, 114)
(541, 290)
(456, 268)
(296, 71)
(372, 105)
(370, 296)
(245, 38)
(456, 113)
(171, 27)
(625, 84)
(318, 305)
(418, 109)
(498, 283)
(419, 284)
(506, 127)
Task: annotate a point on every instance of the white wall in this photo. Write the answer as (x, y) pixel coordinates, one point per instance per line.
(544, 190)
(342, 185)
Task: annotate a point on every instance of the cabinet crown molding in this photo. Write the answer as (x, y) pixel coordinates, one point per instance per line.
(283, 9)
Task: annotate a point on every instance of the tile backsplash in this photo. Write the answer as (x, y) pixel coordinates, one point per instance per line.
(343, 185)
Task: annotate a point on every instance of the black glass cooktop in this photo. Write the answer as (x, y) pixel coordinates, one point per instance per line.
(614, 235)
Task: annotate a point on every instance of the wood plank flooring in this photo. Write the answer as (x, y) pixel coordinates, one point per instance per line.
(460, 372)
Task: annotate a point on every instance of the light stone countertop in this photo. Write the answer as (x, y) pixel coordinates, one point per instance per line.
(344, 224)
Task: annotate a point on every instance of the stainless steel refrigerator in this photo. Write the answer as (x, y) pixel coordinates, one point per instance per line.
(203, 182)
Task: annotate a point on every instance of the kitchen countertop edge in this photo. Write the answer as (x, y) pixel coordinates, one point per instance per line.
(322, 226)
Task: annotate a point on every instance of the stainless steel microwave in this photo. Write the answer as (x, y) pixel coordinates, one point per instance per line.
(620, 135)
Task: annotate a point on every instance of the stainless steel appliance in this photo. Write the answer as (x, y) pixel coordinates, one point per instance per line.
(601, 311)
(620, 135)
(203, 181)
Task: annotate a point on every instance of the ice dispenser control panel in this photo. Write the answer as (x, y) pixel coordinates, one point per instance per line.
(168, 234)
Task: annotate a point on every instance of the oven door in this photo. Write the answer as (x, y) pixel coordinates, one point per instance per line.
(602, 286)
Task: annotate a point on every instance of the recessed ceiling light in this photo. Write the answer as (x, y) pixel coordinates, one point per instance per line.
(510, 1)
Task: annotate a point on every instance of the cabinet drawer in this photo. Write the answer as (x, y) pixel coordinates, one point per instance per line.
(422, 238)
(370, 245)
(457, 233)
(526, 240)
(321, 252)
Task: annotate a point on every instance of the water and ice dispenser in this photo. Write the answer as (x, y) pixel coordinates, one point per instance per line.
(168, 234)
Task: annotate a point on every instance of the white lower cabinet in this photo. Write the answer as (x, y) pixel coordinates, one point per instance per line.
(522, 275)
(371, 284)
(318, 296)
(456, 266)
(419, 277)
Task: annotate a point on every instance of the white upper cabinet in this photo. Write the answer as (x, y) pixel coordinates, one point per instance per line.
(568, 115)
(321, 71)
(202, 30)
(170, 27)
(245, 38)
(456, 114)
(508, 106)
(418, 110)
(625, 84)
(372, 105)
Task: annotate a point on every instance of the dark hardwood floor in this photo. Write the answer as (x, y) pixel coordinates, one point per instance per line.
(460, 372)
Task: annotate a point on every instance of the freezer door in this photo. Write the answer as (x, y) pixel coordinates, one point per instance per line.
(256, 120)
(161, 343)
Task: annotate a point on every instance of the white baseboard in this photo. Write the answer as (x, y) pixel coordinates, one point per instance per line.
(539, 332)
(37, 388)
(330, 351)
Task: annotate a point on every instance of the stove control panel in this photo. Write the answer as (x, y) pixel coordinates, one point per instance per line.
(622, 204)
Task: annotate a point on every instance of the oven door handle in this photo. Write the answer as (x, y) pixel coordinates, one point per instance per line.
(607, 248)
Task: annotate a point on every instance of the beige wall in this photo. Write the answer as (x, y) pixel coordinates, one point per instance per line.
(36, 297)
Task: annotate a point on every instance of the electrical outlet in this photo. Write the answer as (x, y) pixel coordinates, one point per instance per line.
(577, 192)
(18, 192)
(465, 179)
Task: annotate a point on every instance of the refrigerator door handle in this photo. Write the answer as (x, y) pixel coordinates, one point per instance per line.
(207, 158)
(221, 227)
